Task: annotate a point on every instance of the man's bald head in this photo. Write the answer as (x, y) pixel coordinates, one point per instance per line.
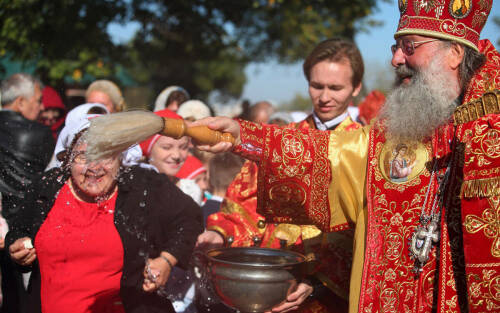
(261, 111)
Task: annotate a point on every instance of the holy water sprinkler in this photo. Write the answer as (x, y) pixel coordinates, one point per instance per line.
(111, 134)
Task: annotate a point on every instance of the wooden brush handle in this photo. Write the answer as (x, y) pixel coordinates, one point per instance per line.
(177, 128)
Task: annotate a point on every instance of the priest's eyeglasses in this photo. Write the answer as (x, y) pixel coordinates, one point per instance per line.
(408, 46)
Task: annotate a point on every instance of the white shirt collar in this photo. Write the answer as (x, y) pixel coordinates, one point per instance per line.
(335, 121)
(217, 198)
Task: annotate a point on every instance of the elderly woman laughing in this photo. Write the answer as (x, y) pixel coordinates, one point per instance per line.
(102, 237)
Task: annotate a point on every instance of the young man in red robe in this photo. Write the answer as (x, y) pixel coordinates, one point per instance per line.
(428, 241)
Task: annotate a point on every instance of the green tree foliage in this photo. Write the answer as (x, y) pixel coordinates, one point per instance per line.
(205, 45)
(64, 37)
(199, 44)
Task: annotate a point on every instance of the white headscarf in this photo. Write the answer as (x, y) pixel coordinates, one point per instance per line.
(161, 100)
(77, 120)
(193, 109)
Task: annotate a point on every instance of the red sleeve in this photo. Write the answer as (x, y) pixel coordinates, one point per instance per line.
(294, 172)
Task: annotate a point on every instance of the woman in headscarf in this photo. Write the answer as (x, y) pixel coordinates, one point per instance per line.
(171, 98)
(100, 236)
(53, 112)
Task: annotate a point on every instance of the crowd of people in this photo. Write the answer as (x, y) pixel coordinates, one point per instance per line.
(395, 202)
(52, 193)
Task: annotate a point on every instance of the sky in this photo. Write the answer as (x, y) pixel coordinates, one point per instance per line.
(280, 83)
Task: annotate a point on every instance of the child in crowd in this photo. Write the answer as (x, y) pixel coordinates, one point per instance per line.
(222, 170)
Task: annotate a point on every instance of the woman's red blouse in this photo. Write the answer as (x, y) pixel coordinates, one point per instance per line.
(81, 256)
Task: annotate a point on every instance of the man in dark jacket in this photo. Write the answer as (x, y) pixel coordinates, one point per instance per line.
(25, 145)
(25, 150)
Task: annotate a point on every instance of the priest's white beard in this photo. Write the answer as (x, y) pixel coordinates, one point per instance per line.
(413, 111)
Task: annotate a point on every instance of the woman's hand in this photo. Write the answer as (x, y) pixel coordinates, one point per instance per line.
(209, 239)
(223, 124)
(21, 253)
(157, 271)
(295, 299)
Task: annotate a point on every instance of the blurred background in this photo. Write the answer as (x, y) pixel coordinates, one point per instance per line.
(221, 51)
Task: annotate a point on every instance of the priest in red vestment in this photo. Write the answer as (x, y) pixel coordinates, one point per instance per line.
(427, 237)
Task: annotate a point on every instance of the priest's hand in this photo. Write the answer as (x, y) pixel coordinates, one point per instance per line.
(22, 251)
(223, 124)
(209, 240)
(157, 271)
(295, 299)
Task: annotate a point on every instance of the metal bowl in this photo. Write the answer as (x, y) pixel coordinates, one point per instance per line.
(254, 279)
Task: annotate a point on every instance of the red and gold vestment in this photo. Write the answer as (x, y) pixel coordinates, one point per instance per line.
(339, 180)
(239, 220)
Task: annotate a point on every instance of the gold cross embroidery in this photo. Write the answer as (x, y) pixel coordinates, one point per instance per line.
(292, 146)
(489, 222)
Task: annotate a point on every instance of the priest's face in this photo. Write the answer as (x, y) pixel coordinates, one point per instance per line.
(331, 89)
(424, 96)
(422, 52)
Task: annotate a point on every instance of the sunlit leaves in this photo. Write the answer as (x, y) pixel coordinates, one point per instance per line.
(202, 45)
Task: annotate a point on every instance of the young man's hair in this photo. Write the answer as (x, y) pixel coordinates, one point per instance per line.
(222, 169)
(177, 95)
(337, 50)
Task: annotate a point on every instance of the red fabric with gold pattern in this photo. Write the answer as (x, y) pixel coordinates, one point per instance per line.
(239, 218)
(482, 154)
(466, 277)
(488, 76)
(283, 158)
(481, 220)
(394, 208)
(480, 193)
(241, 198)
(457, 20)
(469, 226)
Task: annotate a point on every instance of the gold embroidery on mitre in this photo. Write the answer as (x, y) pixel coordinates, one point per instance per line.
(488, 103)
(489, 223)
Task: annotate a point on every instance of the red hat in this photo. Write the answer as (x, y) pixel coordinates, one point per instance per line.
(371, 105)
(456, 20)
(51, 99)
(148, 144)
(191, 168)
